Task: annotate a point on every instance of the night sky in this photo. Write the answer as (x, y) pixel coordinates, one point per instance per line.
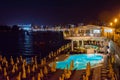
(50, 12)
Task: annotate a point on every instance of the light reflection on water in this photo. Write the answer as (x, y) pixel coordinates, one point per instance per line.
(26, 44)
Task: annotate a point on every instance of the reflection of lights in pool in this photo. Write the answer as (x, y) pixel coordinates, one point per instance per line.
(80, 61)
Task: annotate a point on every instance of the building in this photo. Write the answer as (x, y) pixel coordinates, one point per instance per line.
(81, 35)
(26, 27)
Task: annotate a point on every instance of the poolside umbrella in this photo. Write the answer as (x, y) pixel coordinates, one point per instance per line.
(72, 65)
(5, 72)
(63, 77)
(17, 60)
(32, 60)
(88, 69)
(67, 76)
(33, 78)
(33, 68)
(52, 54)
(84, 77)
(4, 60)
(89, 66)
(23, 66)
(67, 73)
(24, 73)
(24, 62)
(42, 62)
(11, 61)
(13, 69)
(28, 69)
(38, 77)
(6, 65)
(113, 78)
(41, 73)
(45, 70)
(8, 78)
(57, 52)
(36, 66)
(53, 68)
(16, 67)
(21, 58)
(54, 65)
(49, 55)
(59, 49)
(19, 76)
(60, 78)
(65, 70)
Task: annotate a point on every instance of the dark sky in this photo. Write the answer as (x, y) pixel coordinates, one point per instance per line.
(56, 11)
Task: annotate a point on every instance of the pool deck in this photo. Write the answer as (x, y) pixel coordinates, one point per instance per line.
(62, 57)
(97, 71)
(76, 74)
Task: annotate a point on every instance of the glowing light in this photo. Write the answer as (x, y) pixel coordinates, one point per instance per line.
(115, 20)
(96, 31)
(111, 23)
(25, 26)
(91, 34)
(108, 30)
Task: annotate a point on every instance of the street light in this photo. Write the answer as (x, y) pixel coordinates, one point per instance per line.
(111, 23)
(115, 20)
(116, 24)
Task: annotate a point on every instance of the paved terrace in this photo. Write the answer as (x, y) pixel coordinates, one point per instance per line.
(98, 73)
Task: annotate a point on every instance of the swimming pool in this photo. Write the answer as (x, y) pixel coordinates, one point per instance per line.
(80, 61)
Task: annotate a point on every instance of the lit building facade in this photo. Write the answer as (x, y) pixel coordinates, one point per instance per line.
(81, 35)
(26, 27)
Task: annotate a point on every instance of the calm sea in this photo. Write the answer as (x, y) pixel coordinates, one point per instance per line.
(30, 44)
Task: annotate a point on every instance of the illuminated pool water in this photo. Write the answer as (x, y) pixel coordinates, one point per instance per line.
(80, 61)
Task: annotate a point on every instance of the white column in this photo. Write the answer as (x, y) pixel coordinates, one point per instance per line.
(91, 31)
(72, 45)
(91, 41)
(82, 43)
